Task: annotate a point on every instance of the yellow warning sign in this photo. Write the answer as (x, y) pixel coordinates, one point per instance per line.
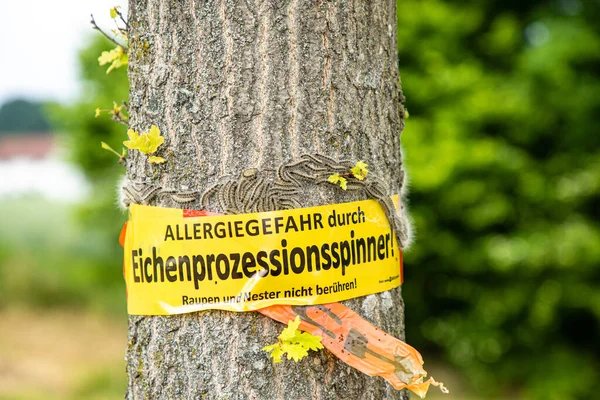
(179, 261)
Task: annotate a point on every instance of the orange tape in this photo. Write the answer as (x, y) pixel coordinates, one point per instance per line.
(359, 344)
(122, 234)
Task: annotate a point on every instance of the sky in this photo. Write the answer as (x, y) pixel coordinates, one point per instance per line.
(39, 40)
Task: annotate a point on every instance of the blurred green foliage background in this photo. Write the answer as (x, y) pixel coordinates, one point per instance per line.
(503, 152)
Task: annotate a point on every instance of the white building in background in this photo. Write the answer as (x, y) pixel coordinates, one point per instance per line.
(30, 164)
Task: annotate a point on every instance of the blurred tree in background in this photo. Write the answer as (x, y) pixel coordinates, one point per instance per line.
(82, 134)
(49, 256)
(23, 116)
(503, 153)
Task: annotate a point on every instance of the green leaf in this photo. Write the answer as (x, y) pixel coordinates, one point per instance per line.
(276, 352)
(309, 341)
(156, 160)
(107, 147)
(116, 108)
(115, 57)
(118, 63)
(294, 351)
(290, 331)
(154, 139)
(134, 141)
(146, 143)
(335, 178)
(113, 12)
(110, 56)
(360, 171)
(294, 343)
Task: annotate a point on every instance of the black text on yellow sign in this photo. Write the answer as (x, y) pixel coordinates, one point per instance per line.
(177, 262)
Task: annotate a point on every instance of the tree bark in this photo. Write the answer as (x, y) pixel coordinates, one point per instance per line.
(234, 84)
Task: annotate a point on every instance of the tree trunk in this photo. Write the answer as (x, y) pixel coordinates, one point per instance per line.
(234, 84)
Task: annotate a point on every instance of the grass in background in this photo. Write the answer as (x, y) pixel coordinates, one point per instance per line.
(48, 259)
(63, 323)
(56, 354)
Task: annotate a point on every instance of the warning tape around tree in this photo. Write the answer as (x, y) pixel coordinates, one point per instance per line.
(179, 261)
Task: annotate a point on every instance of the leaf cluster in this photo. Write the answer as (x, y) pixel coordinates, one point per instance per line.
(116, 57)
(359, 172)
(293, 343)
(146, 143)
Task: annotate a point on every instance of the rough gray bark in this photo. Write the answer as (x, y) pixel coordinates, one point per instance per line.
(234, 84)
